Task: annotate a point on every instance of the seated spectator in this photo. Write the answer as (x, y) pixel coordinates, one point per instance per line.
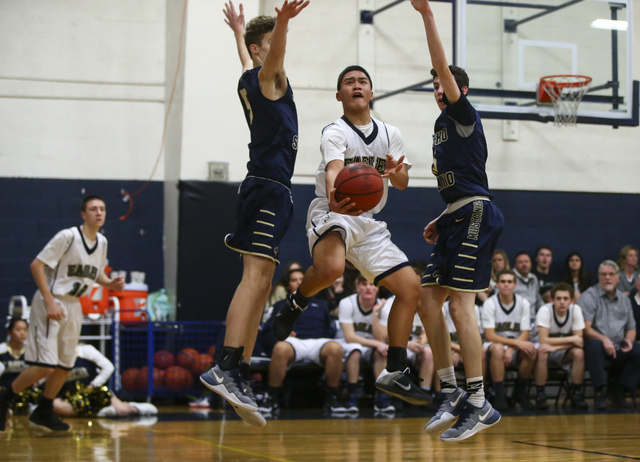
(312, 341)
(560, 328)
(499, 262)
(634, 296)
(364, 338)
(506, 322)
(456, 357)
(628, 263)
(527, 285)
(279, 289)
(611, 332)
(12, 363)
(576, 275)
(84, 393)
(419, 352)
(546, 272)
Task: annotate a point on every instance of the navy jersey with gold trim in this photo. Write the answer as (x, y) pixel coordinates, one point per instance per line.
(460, 152)
(274, 130)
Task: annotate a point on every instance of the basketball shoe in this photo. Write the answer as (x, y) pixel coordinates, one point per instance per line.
(286, 318)
(449, 409)
(382, 403)
(332, 404)
(228, 384)
(352, 403)
(4, 409)
(403, 385)
(471, 421)
(254, 418)
(47, 418)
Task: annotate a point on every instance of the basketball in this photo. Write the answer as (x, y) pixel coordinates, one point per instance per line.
(130, 379)
(143, 378)
(177, 378)
(361, 183)
(162, 359)
(187, 358)
(202, 363)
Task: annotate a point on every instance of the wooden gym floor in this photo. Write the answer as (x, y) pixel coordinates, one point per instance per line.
(179, 435)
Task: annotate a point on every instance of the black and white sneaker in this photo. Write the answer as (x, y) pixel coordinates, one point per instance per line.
(228, 384)
(403, 385)
(47, 418)
(332, 404)
(286, 319)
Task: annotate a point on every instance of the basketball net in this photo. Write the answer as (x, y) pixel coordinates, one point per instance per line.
(565, 93)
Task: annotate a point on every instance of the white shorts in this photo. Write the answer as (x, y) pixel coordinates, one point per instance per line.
(53, 343)
(514, 358)
(308, 349)
(367, 241)
(348, 348)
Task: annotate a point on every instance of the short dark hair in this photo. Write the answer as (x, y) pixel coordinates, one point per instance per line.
(522, 253)
(560, 287)
(462, 79)
(360, 279)
(294, 270)
(256, 28)
(547, 247)
(89, 198)
(15, 320)
(506, 271)
(354, 67)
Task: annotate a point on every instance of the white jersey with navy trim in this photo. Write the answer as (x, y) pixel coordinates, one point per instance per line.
(350, 312)
(72, 263)
(508, 321)
(349, 143)
(560, 327)
(416, 328)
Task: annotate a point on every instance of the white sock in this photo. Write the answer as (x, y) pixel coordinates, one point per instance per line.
(475, 390)
(447, 377)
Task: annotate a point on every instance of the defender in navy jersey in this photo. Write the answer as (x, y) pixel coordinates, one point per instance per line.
(71, 262)
(265, 205)
(465, 235)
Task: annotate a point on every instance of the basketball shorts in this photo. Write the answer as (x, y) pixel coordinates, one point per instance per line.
(560, 358)
(349, 348)
(53, 343)
(467, 237)
(516, 359)
(367, 241)
(308, 349)
(264, 213)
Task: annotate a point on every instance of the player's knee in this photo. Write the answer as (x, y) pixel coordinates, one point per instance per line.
(332, 349)
(281, 350)
(44, 372)
(578, 353)
(497, 350)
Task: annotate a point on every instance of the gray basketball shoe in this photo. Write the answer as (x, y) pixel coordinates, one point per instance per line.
(471, 421)
(449, 409)
(228, 384)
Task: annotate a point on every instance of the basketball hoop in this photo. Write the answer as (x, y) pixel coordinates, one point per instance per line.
(565, 93)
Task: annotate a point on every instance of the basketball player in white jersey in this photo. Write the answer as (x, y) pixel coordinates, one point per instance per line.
(64, 270)
(337, 231)
(561, 327)
(506, 322)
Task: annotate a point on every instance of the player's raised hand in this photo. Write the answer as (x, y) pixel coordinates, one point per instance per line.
(421, 5)
(393, 166)
(233, 19)
(345, 206)
(291, 9)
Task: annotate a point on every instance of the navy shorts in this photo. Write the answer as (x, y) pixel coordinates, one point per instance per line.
(265, 211)
(467, 237)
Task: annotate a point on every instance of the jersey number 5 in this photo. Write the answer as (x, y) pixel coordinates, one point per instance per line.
(247, 104)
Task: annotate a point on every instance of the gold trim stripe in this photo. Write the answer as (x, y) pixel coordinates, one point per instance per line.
(462, 280)
(267, 211)
(261, 245)
(463, 255)
(464, 268)
(265, 223)
(263, 234)
(470, 245)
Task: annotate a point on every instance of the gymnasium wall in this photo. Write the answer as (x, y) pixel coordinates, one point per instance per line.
(209, 271)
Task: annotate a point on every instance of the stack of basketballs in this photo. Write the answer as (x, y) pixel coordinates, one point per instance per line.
(171, 373)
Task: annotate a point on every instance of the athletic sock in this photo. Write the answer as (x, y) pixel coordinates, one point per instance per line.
(447, 377)
(333, 391)
(300, 299)
(45, 404)
(352, 388)
(396, 359)
(475, 391)
(540, 389)
(274, 392)
(231, 358)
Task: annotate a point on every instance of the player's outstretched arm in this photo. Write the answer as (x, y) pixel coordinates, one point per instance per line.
(397, 172)
(436, 51)
(273, 66)
(235, 21)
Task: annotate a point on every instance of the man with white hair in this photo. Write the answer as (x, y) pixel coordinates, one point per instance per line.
(610, 332)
